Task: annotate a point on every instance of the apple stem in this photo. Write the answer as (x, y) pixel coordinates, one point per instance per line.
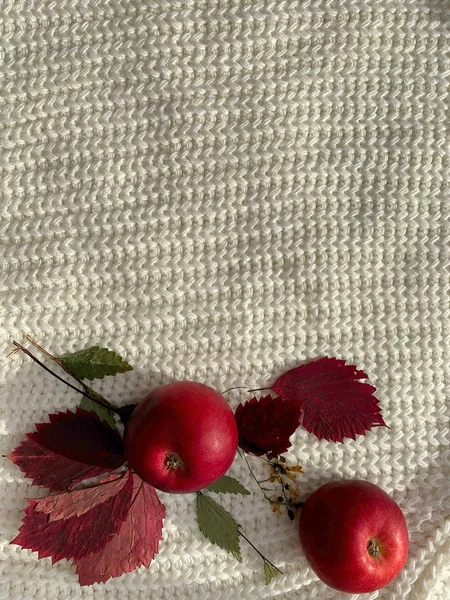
(260, 553)
(84, 392)
(173, 461)
(373, 549)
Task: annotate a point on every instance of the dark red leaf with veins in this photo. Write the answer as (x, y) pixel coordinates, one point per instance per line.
(76, 536)
(334, 403)
(135, 544)
(69, 449)
(265, 425)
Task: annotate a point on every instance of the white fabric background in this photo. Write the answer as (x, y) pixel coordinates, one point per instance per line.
(219, 189)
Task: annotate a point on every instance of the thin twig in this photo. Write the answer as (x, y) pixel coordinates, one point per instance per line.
(242, 455)
(234, 388)
(36, 360)
(256, 550)
(82, 392)
(98, 397)
(36, 345)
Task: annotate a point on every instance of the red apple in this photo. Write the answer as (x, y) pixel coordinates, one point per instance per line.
(181, 437)
(353, 535)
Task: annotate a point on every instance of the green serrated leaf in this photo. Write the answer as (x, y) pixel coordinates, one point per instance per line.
(94, 363)
(103, 413)
(270, 572)
(218, 525)
(228, 485)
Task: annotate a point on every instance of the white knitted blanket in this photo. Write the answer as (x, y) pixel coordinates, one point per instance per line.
(219, 189)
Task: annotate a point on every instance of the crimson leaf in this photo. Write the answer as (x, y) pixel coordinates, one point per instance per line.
(135, 544)
(79, 502)
(46, 468)
(76, 536)
(72, 447)
(334, 403)
(265, 426)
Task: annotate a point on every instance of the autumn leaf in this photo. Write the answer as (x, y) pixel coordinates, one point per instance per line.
(79, 502)
(69, 449)
(49, 469)
(73, 535)
(94, 363)
(265, 425)
(134, 545)
(334, 403)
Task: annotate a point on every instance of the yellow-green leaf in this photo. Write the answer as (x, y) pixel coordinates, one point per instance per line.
(218, 525)
(270, 572)
(227, 485)
(94, 363)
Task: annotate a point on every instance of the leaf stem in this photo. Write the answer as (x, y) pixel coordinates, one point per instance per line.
(84, 392)
(239, 387)
(36, 360)
(260, 553)
(95, 396)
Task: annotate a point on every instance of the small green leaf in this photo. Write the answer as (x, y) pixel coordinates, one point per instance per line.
(94, 363)
(270, 572)
(103, 413)
(227, 485)
(218, 525)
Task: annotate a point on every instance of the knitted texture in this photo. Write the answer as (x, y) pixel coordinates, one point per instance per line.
(219, 189)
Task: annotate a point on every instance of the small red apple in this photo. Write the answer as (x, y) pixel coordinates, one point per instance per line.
(181, 437)
(353, 535)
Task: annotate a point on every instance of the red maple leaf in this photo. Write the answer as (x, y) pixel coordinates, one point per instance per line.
(69, 449)
(84, 523)
(265, 425)
(334, 403)
(135, 544)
